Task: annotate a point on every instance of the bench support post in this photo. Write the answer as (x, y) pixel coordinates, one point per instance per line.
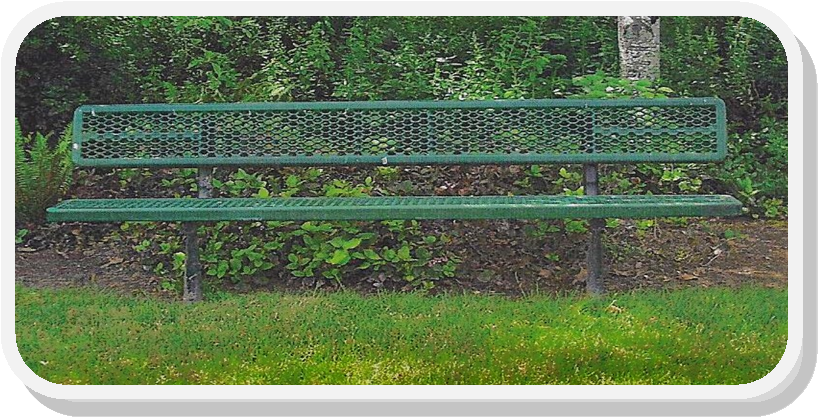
(193, 267)
(593, 282)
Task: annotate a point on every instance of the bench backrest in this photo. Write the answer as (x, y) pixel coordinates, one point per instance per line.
(401, 133)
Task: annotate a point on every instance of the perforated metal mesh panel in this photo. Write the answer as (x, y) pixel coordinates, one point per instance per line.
(393, 208)
(441, 132)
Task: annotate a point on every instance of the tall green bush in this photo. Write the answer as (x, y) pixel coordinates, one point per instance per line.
(42, 172)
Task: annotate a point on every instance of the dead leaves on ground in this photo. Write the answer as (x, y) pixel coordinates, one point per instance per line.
(112, 261)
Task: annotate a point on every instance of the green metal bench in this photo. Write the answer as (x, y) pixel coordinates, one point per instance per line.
(588, 132)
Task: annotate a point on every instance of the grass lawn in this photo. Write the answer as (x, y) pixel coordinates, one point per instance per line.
(694, 336)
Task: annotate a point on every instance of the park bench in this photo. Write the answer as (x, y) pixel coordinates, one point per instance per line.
(390, 133)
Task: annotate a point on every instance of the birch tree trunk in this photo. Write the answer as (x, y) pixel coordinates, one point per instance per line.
(639, 47)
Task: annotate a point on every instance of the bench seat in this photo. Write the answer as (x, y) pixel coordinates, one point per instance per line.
(394, 208)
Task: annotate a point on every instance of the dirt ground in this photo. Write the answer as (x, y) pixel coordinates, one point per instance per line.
(497, 257)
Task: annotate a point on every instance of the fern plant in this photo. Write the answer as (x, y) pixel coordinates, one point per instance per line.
(42, 172)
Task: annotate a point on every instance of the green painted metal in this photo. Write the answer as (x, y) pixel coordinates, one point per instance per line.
(393, 208)
(401, 133)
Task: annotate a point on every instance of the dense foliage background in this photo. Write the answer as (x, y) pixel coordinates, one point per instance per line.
(70, 61)
(67, 62)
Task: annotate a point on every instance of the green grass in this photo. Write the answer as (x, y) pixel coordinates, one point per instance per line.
(696, 336)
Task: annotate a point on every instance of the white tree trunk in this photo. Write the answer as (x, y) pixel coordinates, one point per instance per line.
(639, 47)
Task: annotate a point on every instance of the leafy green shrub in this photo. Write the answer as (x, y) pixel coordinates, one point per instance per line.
(19, 236)
(601, 85)
(382, 253)
(395, 252)
(42, 172)
(756, 169)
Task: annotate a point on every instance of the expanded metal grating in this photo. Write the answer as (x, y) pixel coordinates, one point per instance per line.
(401, 132)
(393, 208)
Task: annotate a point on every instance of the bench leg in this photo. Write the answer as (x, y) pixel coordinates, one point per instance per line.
(594, 257)
(593, 282)
(193, 267)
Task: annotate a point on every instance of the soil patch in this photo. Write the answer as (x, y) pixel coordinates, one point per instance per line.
(498, 257)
